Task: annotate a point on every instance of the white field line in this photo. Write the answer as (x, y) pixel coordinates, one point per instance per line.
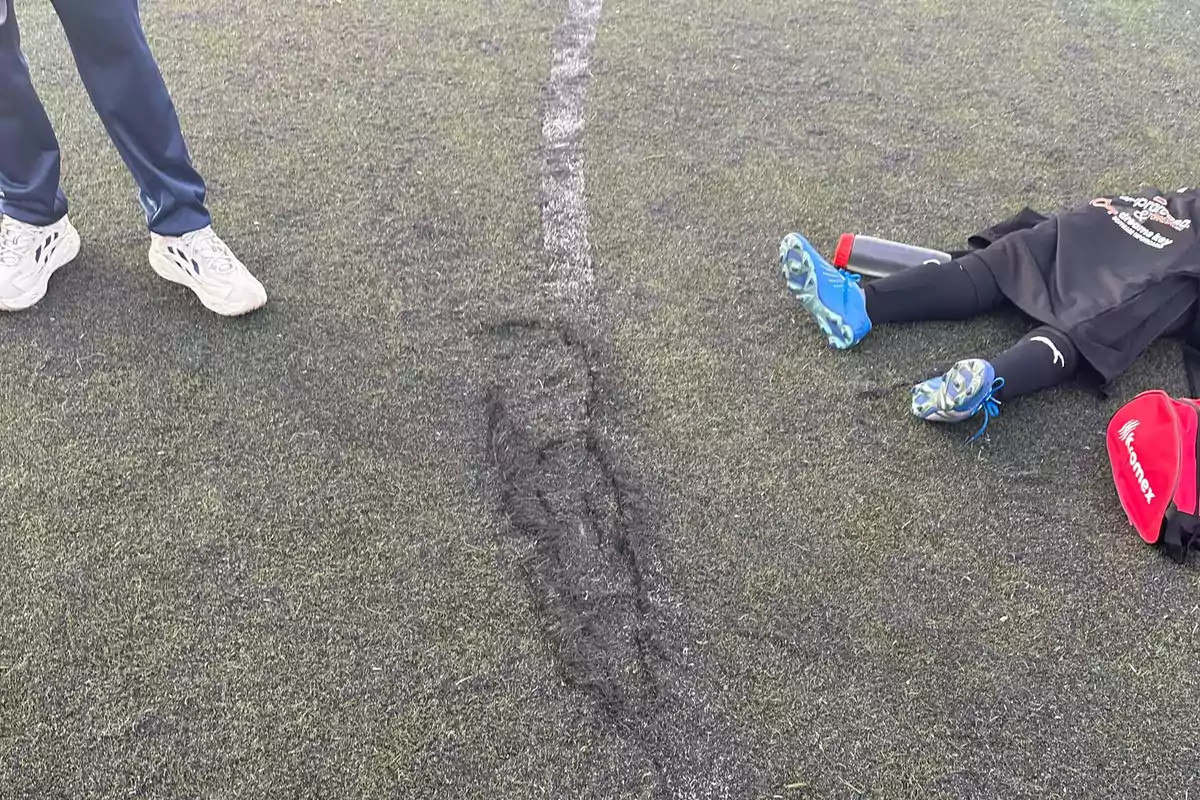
(564, 203)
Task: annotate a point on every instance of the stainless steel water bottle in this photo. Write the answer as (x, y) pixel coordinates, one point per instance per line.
(878, 258)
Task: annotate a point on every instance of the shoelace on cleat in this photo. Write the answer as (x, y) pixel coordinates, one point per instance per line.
(849, 278)
(990, 408)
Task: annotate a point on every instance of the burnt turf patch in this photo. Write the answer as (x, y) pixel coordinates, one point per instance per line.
(575, 518)
(582, 534)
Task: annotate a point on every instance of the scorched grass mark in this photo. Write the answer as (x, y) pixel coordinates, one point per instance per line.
(572, 508)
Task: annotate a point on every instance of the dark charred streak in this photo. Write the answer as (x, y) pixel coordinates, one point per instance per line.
(563, 492)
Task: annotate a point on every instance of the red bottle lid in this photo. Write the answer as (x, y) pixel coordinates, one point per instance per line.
(841, 256)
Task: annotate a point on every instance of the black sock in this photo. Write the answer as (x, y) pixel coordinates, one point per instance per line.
(1042, 359)
(951, 291)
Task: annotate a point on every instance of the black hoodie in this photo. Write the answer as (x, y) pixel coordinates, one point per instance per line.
(1113, 274)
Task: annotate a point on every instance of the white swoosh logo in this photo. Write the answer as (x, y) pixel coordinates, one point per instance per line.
(1058, 356)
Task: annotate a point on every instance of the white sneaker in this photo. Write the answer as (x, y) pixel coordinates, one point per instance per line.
(203, 263)
(29, 255)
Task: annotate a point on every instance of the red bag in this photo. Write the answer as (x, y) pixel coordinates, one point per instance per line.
(1152, 444)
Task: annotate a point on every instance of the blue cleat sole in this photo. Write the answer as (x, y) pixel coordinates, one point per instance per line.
(966, 390)
(802, 265)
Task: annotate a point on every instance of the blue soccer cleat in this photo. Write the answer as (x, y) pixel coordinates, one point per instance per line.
(966, 390)
(832, 296)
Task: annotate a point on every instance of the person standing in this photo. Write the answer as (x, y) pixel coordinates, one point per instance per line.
(127, 90)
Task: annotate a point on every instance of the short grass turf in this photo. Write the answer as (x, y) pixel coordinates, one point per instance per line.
(270, 558)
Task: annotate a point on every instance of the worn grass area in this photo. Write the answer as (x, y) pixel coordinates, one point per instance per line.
(275, 557)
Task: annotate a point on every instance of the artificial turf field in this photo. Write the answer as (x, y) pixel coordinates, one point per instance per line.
(458, 516)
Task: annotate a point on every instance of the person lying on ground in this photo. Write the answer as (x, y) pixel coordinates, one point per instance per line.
(128, 92)
(1103, 280)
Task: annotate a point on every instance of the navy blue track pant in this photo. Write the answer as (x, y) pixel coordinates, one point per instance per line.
(127, 90)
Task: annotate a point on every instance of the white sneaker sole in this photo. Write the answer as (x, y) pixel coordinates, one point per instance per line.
(169, 271)
(65, 254)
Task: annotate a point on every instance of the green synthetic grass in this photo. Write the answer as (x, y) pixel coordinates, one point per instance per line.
(270, 558)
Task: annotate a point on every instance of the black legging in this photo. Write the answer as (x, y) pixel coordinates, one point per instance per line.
(949, 291)
(1041, 359)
